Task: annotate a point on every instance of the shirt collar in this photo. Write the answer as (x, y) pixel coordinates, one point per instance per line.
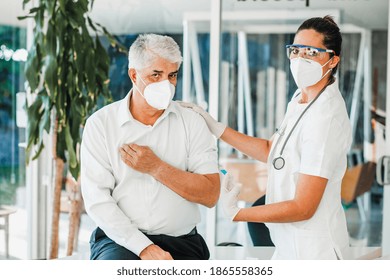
(124, 114)
(333, 87)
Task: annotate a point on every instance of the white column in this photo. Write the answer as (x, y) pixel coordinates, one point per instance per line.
(271, 76)
(196, 66)
(386, 188)
(281, 96)
(215, 54)
(367, 101)
(186, 63)
(36, 188)
(367, 96)
(356, 89)
(244, 62)
(240, 89)
(261, 105)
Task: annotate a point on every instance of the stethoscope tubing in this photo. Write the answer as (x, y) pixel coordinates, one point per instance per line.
(279, 161)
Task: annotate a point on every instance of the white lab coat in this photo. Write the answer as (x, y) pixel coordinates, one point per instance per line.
(318, 146)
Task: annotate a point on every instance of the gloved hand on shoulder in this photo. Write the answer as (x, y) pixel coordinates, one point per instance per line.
(215, 127)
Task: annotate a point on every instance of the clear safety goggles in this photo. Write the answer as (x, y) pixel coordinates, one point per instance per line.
(308, 52)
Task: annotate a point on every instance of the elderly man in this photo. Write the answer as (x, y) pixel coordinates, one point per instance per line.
(147, 163)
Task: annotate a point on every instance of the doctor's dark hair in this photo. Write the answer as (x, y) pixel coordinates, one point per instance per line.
(147, 47)
(329, 29)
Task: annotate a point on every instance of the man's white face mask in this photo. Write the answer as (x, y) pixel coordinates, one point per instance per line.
(158, 95)
(307, 72)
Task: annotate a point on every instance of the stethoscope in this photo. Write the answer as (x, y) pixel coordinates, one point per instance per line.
(279, 162)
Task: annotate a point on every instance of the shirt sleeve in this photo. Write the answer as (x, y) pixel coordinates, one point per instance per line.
(323, 146)
(203, 157)
(97, 184)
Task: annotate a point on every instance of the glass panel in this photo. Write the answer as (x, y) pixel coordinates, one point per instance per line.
(379, 65)
(255, 87)
(12, 167)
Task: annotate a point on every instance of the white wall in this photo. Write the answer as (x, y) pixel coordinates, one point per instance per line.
(136, 16)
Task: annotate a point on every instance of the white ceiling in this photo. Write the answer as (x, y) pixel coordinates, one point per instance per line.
(136, 16)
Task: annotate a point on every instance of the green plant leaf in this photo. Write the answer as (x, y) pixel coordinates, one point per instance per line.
(24, 17)
(90, 70)
(114, 42)
(36, 9)
(50, 7)
(38, 151)
(69, 68)
(79, 53)
(70, 148)
(61, 144)
(39, 20)
(34, 116)
(90, 22)
(38, 114)
(102, 59)
(51, 40)
(62, 6)
(25, 2)
(32, 68)
(44, 124)
(50, 75)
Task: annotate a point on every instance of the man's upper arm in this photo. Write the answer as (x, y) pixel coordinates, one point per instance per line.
(96, 173)
(203, 157)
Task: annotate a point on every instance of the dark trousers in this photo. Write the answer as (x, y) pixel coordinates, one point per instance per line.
(186, 247)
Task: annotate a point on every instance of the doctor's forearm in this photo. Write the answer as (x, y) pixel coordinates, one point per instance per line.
(282, 212)
(256, 148)
(199, 188)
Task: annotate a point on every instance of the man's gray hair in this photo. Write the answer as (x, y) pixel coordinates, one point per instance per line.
(147, 47)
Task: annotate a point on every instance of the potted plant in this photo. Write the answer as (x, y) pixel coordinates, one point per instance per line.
(67, 71)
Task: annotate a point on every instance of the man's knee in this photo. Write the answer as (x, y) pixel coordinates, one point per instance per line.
(106, 249)
(115, 253)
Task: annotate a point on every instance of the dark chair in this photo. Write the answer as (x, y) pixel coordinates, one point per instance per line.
(229, 244)
(258, 231)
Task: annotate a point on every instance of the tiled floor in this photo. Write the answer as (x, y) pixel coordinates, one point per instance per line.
(368, 233)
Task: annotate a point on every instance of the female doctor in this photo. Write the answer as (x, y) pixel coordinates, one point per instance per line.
(306, 157)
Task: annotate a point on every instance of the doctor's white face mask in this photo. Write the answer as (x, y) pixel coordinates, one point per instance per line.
(158, 95)
(307, 72)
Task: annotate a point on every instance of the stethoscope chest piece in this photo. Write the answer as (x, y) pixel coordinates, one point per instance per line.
(278, 163)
